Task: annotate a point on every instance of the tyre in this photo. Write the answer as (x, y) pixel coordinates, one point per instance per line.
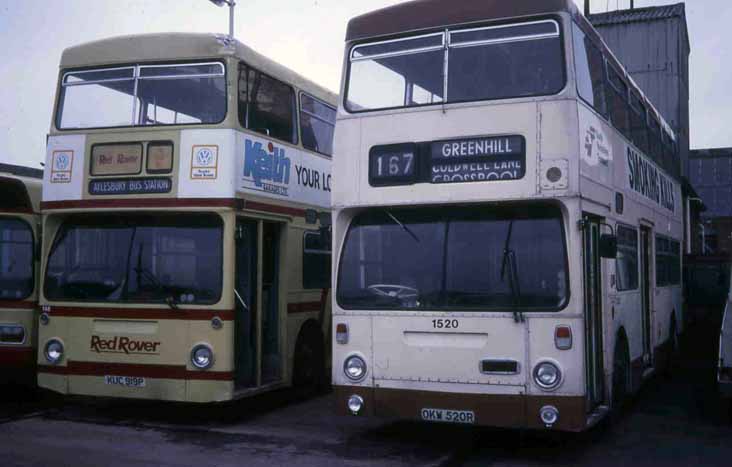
(309, 361)
(621, 376)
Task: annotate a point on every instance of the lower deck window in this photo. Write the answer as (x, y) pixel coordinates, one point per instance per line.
(466, 258)
(137, 258)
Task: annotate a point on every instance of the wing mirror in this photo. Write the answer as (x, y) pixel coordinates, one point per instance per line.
(608, 246)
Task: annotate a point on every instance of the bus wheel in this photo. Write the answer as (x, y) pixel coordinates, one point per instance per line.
(621, 375)
(309, 366)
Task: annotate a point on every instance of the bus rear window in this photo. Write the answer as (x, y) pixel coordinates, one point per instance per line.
(143, 95)
(472, 258)
(489, 63)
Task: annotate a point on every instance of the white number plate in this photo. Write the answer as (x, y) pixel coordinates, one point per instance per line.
(127, 381)
(448, 416)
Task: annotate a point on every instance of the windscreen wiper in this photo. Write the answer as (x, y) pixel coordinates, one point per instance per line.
(509, 262)
(150, 276)
(404, 227)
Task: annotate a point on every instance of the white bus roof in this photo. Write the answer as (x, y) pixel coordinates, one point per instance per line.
(180, 47)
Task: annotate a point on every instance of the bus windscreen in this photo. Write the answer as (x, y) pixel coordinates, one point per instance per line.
(467, 258)
(16, 259)
(143, 95)
(497, 62)
(137, 259)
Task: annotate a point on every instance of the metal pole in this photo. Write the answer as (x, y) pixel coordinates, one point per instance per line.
(631, 4)
(232, 4)
(587, 7)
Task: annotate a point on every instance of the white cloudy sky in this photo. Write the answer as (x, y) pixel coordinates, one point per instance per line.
(305, 35)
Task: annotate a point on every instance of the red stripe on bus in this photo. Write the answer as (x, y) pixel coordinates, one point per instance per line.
(17, 357)
(305, 307)
(253, 205)
(141, 313)
(75, 368)
(17, 305)
(144, 203)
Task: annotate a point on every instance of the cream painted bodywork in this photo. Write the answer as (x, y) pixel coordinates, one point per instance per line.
(25, 317)
(554, 128)
(223, 179)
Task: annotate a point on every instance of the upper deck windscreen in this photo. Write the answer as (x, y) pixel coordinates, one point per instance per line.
(169, 94)
(460, 65)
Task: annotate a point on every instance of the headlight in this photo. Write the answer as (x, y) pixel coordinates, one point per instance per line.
(355, 368)
(547, 375)
(53, 351)
(202, 356)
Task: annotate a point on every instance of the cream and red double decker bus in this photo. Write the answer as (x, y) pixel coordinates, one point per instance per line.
(185, 178)
(20, 196)
(507, 219)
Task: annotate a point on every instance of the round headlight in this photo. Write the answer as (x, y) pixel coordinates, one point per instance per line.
(202, 356)
(547, 375)
(53, 351)
(355, 368)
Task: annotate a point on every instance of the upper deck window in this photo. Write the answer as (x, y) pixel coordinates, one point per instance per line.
(175, 94)
(266, 105)
(317, 124)
(496, 62)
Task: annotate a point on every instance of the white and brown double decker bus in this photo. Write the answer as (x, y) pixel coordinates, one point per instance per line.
(185, 178)
(507, 219)
(20, 196)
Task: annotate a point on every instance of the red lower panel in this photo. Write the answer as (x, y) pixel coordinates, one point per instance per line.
(17, 357)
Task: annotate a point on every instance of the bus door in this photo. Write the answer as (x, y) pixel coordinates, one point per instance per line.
(593, 311)
(257, 289)
(646, 306)
(271, 355)
(245, 290)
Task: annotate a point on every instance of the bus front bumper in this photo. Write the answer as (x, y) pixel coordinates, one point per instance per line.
(58, 379)
(497, 410)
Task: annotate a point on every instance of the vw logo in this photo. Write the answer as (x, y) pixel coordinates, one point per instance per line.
(204, 157)
(62, 161)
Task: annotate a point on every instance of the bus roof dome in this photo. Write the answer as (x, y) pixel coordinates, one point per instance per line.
(426, 14)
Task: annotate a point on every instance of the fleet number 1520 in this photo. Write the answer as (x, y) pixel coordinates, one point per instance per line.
(445, 323)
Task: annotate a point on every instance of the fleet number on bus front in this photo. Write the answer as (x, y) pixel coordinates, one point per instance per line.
(445, 323)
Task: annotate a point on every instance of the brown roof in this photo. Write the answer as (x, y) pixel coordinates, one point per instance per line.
(426, 14)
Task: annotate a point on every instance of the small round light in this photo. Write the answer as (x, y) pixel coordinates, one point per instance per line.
(45, 319)
(355, 368)
(355, 404)
(547, 375)
(216, 323)
(554, 174)
(549, 415)
(53, 351)
(202, 356)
